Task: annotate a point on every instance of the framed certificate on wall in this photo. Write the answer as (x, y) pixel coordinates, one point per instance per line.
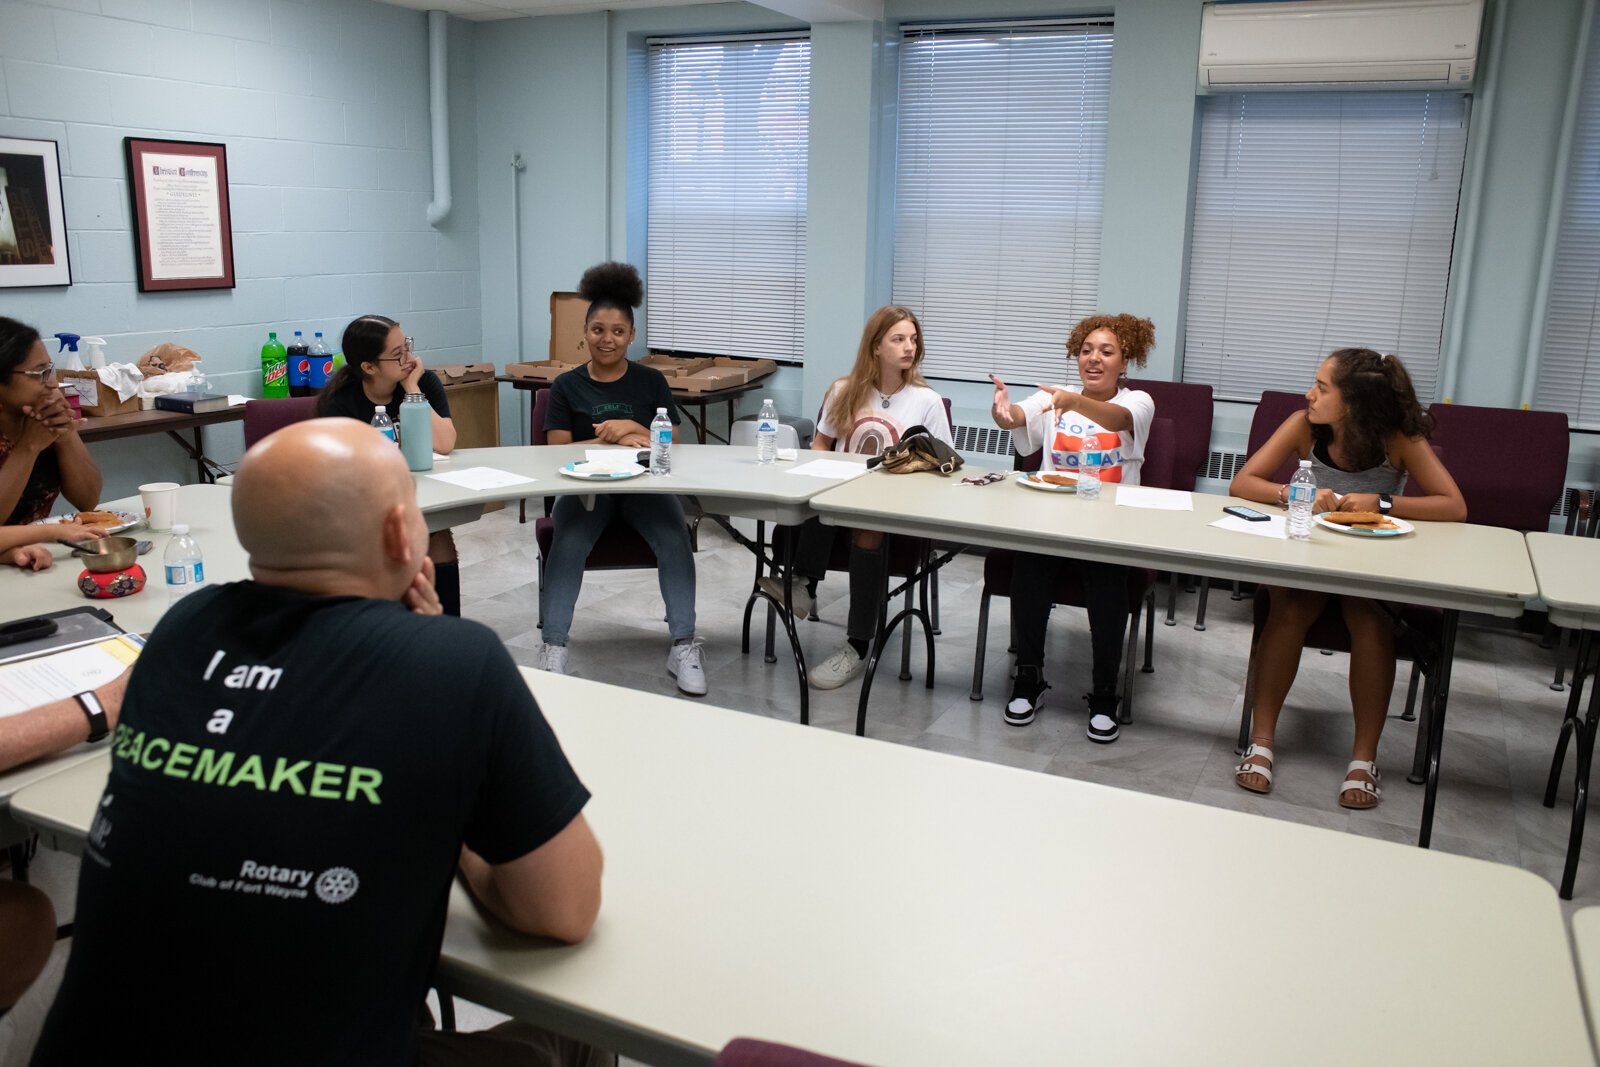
(182, 230)
(33, 226)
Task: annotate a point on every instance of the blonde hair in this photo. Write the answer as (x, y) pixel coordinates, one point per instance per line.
(866, 376)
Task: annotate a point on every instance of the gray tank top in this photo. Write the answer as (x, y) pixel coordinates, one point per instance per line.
(1380, 479)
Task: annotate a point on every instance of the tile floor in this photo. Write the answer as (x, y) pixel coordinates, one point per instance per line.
(1502, 720)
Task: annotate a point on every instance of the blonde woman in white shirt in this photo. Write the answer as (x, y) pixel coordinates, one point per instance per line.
(872, 407)
(1056, 420)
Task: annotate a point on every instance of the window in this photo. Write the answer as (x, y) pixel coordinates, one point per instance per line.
(726, 240)
(1000, 167)
(1569, 359)
(1321, 221)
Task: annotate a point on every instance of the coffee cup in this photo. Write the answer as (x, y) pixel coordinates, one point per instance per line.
(160, 504)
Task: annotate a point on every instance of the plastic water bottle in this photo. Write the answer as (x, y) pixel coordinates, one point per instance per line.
(416, 432)
(767, 433)
(185, 571)
(1302, 495)
(1089, 467)
(383, 424)
(661, 443)
(299, 366)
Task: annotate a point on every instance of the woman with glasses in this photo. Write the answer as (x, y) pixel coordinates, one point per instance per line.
(41, 454)
(381, 367)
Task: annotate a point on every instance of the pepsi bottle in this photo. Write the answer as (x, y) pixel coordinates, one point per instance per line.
(299, 366)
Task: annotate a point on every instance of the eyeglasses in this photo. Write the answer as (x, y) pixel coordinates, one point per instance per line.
(47, 371)
(406, 351)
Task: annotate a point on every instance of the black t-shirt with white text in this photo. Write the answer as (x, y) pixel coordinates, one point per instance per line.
(267, 877)
(577, 401)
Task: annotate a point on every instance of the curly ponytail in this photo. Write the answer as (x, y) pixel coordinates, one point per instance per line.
(1379, 400)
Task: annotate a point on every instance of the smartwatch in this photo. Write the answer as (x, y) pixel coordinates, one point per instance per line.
(95, 713)
(1385, 503)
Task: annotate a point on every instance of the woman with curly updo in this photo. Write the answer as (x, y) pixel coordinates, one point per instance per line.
(1057, 420)
(1364, 432)
(610, 401)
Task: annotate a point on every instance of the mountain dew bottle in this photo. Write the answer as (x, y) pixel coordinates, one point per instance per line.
(274, 368)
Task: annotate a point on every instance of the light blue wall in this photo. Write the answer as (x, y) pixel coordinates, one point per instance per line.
(323, 106)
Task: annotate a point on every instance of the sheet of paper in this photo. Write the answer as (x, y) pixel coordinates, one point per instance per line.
(31, 682)
(235, 399)
(611, 459)
(482, 478)
(829, 468)
(1275, 526)
(1143, 496)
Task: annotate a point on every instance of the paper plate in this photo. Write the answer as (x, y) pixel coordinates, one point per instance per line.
(1026, 481)
(588, 472)
(1401, 526)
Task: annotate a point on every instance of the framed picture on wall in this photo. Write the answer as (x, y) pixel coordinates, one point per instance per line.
(33, 226)
(182, 229)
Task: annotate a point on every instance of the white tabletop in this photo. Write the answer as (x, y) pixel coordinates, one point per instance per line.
(1568, 569)
(208, 511)
(726, 479)
(892, 905)
(1586, 946)
(1442, 564)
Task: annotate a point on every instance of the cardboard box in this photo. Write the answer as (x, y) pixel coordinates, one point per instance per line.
(96, 400)
(675, 366)
(457, 373)
(724, 372)
(542, 370)
(566, 328)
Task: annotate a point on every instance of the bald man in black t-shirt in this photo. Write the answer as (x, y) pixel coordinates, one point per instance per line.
(303, 764)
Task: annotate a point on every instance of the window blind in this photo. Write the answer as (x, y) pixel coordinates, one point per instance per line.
(726, 237)
(998, 195)
(1569, 359)
(1321, 221)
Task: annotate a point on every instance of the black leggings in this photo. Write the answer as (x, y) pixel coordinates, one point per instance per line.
(814, 547)
(1105, 586)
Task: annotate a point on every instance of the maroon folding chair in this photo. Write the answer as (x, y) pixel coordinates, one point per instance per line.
(262, 417)
(1189, 406)
(748, 1052)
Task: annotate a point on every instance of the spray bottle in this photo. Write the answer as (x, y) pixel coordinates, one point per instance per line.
(97, 350)
(69, 343)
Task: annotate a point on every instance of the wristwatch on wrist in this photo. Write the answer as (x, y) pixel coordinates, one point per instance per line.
(1385, 503)
(92, 710)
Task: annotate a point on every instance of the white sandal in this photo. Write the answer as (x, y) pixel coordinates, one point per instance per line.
(1370, 788)
(1246, 767)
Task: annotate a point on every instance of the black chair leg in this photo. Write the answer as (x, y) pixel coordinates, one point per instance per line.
(1150, 632)
(1560, 644)
(1410, 714)
(1172, 599)
(1200, 605)
(1125, 715)
(978, 654)
(905, 639)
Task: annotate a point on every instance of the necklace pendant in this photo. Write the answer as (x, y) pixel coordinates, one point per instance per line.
(885, 400)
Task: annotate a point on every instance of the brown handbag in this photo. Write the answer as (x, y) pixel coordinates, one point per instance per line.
(917, 451)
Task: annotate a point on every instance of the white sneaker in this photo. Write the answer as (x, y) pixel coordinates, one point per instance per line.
(837, 669)
(686, 663)
(799, 595)
(553, 658)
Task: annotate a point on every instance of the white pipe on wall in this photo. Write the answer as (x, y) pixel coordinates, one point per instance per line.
(1558, 197)
(439, 115)
(1481, 117)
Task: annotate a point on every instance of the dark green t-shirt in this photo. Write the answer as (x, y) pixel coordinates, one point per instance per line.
(292, 779)
(577, 401)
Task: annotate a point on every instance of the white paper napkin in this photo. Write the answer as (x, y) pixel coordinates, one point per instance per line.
(1143, 496)
(481, 478)
(1275, 526)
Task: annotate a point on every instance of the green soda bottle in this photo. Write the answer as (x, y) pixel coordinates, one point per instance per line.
(274, 368)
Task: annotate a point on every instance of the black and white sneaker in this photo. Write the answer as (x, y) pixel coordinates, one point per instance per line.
(1026, 695)
(1102, 724)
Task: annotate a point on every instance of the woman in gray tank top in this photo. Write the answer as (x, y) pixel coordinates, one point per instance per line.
(1364, 433)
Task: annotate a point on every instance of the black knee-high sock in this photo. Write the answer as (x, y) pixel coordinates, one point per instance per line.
(447, 583)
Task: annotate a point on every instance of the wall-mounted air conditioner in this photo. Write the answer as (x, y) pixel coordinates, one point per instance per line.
(1339, 44)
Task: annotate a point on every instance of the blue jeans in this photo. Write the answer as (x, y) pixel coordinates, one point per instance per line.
(659, 520)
